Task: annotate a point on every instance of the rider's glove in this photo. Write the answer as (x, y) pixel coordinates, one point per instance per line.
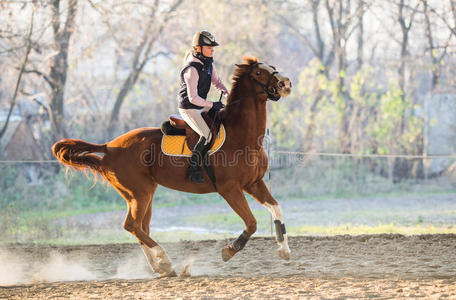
(218, 105)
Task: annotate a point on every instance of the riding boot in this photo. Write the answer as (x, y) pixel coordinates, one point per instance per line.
(194, 171)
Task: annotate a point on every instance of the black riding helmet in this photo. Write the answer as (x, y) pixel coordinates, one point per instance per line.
(204, 38)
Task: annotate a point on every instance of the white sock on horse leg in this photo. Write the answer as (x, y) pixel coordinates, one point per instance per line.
(158, 259)
(276, 213)
(150, 258)
(162, 258)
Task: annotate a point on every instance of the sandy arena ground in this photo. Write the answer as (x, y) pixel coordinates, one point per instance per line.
(340, 267)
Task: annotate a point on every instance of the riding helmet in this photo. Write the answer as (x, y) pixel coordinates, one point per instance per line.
(204, 38)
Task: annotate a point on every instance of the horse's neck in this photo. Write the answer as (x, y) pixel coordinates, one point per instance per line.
(246, 117)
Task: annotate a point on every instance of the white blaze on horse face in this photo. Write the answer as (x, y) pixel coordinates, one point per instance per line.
(276, 212)
(268, 68)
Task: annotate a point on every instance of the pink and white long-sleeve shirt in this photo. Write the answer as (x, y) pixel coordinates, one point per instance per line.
(191, 78)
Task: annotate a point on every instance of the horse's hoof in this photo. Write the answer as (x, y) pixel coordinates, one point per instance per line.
(172, 273)
(227, 253)
(185, 272)
(284, 253)
(165, 266)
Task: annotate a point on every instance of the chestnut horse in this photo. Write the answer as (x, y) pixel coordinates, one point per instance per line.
(134, 164)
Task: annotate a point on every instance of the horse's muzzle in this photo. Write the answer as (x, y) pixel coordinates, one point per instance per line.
(284, 87)
(284, 84)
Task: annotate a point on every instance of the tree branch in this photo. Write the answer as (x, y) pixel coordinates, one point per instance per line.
(138, 63)
(300, 35)
(39, 73)
(19, 77)
(34, 97)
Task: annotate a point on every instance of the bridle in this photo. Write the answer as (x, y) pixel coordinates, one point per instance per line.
(269, 90)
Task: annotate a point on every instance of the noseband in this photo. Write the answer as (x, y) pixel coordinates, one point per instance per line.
(270, 91)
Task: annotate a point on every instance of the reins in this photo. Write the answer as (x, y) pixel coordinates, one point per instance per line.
(266, 90)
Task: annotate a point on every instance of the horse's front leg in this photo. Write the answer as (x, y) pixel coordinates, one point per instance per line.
(260, 192)
(236, 199)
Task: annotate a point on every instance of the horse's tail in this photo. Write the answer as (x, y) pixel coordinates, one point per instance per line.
(79, 154)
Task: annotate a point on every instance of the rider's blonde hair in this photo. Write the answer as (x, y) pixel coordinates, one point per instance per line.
(188, 52)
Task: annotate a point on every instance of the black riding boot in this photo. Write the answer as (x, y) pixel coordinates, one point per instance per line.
(194, 172)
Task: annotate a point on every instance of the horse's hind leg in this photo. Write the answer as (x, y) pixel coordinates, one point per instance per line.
(137, 223)
(260, 192)
(236, 199)
(158, 260)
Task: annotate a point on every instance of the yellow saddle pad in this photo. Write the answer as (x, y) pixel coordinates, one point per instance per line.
(175, 145)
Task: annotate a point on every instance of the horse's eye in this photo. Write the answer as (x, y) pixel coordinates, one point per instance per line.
(258, 73)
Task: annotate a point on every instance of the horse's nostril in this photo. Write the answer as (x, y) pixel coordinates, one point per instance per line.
(281, 84)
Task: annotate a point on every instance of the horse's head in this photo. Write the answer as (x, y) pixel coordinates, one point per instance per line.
(265, 78)
(270, 80)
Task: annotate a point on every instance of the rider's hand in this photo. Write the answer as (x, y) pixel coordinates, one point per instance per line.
(225, 93)
(217, 105)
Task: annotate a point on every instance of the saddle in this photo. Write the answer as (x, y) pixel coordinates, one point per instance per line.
(177, 126)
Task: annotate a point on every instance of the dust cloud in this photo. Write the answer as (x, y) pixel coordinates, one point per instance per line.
(44, 264)
(18, 268)
(12, 270)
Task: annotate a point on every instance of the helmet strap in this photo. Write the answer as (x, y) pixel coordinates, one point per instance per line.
(203, 58)
(201, 52)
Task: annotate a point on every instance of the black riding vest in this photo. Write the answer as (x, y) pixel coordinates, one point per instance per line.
(204, 84)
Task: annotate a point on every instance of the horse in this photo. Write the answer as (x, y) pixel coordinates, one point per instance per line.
(135, 165)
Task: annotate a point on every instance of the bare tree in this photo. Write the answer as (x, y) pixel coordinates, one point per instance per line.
(59, 63)
(324, 53)
(453, 10)
(341, 20)
(405, 21)
(58, 66)
(326, 60)
(142, 54)
(21, 72)
(361, 11)
(433, 47)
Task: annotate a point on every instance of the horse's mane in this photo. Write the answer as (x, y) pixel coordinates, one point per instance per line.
(242, 69)
(238, 74)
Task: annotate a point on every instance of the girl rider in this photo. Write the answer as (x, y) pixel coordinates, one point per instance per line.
(196, 76)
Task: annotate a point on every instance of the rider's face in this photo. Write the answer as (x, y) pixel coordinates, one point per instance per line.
(207, 51)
